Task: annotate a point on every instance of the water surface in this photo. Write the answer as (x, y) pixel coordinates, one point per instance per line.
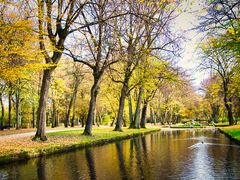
(177, 154)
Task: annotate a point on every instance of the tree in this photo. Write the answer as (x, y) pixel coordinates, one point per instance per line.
(222, 26)
(59, 16)
(212, 89)
(100, 40)
(2, 88)
(18, 53)
(146, 32)
(77, 78)
(154, 74)
(222, 61)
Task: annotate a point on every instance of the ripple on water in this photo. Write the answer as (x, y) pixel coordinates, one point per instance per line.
(200, 144)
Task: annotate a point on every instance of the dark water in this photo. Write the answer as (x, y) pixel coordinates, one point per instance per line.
(185, 154)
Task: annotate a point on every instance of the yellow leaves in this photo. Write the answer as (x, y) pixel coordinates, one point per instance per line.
(156, 3)
(211, 42)
(19, 52)
(12, 73)
(150, 71)
(130, 36)
(231, 31)
(185, 112)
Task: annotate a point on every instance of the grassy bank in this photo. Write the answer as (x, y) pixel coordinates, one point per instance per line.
(232, 131)
(188, 125)
(224, 124)
(24, 148)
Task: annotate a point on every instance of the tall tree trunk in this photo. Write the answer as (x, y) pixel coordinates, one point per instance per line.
(18, 107)
(57, 119)
(124, 122)
(165, 116)
(47, 118)
(151, 114)
(69, 112)
(112, 123)
(2, 117)
(158, 113)
(215, 113)
(10, 106)
(73, 100)
(144, 115)
(228, 102)
(119, 122)
(138, 109)
(237, 110)
(33, 117)
(82, 120)
(171, 115)
(94, 119)
(53, 113)
(130, 108)
(41, 113)
(73, 119)
(74, 110)
(100, 119)
(91, 110)
(228, 106)
(67, 120)
(154, 116)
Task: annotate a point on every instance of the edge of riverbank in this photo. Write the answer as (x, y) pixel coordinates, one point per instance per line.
(232, 132)
(58, 143)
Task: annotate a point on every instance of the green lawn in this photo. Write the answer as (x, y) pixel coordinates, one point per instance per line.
(233, 131)
(187, 125)
(225, 123)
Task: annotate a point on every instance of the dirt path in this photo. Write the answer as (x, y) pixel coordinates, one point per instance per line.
(22, 133)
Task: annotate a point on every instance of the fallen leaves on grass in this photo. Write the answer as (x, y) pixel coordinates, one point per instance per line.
(57, 140)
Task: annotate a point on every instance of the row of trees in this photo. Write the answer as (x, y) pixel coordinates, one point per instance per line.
(130, 43)
(220, 54)
(109, 35)
(82, 60)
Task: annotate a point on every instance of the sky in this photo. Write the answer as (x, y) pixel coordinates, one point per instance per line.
(190, 57)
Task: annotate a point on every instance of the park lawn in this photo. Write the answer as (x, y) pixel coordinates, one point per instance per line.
(232, 131)
(27, 130)
(225, 124)
(187, 125)
(25, 148)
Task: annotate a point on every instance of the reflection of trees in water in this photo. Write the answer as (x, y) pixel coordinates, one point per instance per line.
(228, 166)
(71, 163)
(131, 153)
(90, 163)
(62, 166)
(122, 166)
(139, 145)
(41, 169)
(145, 158)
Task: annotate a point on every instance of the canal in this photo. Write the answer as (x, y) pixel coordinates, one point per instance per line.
(176, 154)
